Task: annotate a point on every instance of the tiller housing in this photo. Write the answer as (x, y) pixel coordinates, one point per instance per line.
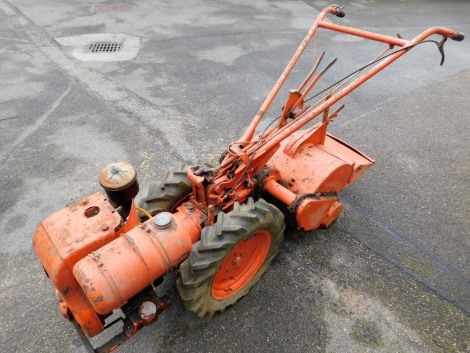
(211, 224)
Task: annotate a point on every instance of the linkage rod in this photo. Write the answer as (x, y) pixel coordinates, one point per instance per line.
(280, 82)
(285, 131)
(312, 84)
(315, 67)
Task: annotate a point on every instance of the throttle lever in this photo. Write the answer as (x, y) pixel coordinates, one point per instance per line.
(440, 46)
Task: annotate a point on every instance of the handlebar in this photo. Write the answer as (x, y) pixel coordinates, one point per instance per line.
(454, 35)
(445, 32)
(320, 23)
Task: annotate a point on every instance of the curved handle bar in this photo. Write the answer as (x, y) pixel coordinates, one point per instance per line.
(337, 11)
(334, 10)
(446, 32)
(454, 35)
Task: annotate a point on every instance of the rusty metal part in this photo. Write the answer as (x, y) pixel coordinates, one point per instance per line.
(326, 164)
(122, 268)
(317, 211)
(140, 311)
(315, 167)
(66, 237)
(119, 180)
(147, 310)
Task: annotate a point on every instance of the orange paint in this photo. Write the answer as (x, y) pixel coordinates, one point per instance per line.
(241, 264)
(63, 239)
(119, 270)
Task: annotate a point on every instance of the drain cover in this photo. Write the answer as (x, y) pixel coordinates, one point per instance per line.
(105, 47)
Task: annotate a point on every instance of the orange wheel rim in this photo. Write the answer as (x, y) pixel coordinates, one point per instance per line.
(241, 264)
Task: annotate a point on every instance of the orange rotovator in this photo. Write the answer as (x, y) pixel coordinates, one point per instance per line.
(218, 227)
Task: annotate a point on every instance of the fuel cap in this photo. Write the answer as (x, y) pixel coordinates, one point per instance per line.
(163, 220)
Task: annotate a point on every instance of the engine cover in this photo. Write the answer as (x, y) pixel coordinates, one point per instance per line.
(66, 237)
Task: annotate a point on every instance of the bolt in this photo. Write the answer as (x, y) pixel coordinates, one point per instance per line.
(147, 310)
(190, 207)
(237, 260)
(104, 227)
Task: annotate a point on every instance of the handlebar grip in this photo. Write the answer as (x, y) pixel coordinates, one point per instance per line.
(340, 13)
(460, 37)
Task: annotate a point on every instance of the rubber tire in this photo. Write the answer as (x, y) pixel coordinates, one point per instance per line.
(217, 241)
(165, 195)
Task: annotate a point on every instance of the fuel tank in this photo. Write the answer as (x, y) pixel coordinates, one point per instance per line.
(97, 267)
(119, 270)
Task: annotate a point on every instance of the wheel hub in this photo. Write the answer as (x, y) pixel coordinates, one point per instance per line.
(240, 265)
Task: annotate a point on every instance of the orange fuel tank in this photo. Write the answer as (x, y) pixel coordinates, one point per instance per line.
(119, 270)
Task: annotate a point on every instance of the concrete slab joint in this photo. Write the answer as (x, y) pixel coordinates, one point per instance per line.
(79, 46)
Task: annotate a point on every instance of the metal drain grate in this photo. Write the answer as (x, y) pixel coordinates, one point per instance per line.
(105, 47)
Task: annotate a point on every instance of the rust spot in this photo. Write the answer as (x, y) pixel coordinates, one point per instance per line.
(82, 277)
(96, 258)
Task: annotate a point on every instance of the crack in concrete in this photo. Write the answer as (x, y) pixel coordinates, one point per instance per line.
(420, 279)
(10, 118)
(121, 98)
(14, 39)
(32, 128)
(413, 245)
